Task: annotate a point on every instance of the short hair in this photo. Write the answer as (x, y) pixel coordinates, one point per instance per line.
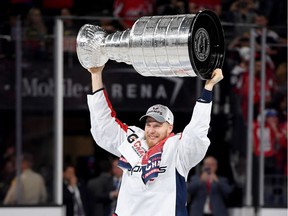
(27, 157)
(211, 157)
(67, 165)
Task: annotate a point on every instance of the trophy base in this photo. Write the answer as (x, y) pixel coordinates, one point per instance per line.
(206, 44)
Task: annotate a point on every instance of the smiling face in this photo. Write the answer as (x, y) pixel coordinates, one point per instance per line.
(156, 131)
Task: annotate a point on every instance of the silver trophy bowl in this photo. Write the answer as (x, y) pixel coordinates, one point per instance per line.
(177, 45)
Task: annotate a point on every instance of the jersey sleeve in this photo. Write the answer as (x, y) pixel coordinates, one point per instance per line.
(194, 142)
(107, 131)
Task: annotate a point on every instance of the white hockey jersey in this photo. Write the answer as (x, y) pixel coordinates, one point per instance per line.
(166, 195)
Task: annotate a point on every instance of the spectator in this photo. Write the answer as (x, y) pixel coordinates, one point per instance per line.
(240, 41)
(6, 176)
(174, 7)
(280, 104)
(9, 32)
(272, 37)
(35, 33)
(280, 97)
(75, 195)
(239, 69)
(117, 178)
(275, 45)
(268, 8)
(197, 5)
(70, 31)
(243, 56)
(69, 27)
(274, 142)
(243, 89)
(104, 188)
(31, 184)
(53, 7)
(242, 13)
(110, 25)
(281, 77)
(283, 162)
(208, 191)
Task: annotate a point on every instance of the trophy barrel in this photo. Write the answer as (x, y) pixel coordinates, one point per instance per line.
(177, 45)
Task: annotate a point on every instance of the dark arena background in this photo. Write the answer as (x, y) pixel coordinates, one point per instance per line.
(43, 97)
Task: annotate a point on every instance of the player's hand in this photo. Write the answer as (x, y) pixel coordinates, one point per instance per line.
(96, 70)
(216, 77)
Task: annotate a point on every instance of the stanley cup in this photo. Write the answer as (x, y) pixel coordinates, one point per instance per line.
(186, 45)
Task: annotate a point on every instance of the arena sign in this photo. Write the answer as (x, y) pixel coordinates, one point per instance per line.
(127, 90)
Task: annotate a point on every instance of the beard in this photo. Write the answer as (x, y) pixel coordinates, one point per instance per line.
(153, 140)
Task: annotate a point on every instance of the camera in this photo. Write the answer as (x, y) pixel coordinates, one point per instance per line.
(207, 170)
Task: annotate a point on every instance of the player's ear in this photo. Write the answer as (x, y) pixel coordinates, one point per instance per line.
(170, 128)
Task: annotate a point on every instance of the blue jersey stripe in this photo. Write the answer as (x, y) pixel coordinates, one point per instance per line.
(181, 195)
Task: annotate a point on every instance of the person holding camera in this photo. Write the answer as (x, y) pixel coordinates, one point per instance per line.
(75, 194)
(208, 191)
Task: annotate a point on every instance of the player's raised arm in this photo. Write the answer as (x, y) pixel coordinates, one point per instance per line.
(194, 141)
(96, 77)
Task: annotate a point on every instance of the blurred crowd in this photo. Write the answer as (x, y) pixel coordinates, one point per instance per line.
(236, 12)
(237, 15)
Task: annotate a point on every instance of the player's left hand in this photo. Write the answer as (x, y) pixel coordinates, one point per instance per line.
(216, 77)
